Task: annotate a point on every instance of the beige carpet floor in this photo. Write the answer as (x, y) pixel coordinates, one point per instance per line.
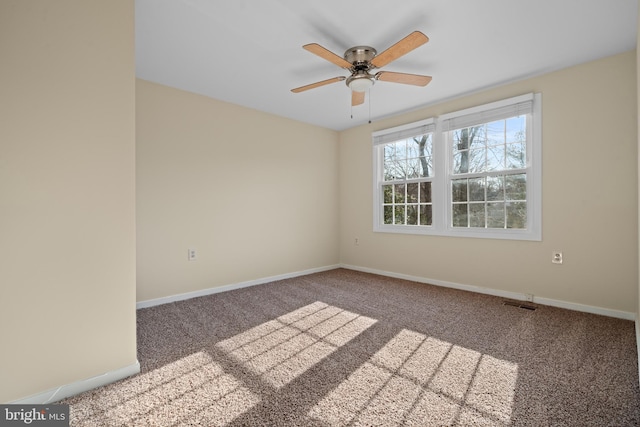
(348, 348)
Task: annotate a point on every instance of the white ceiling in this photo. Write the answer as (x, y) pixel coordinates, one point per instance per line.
(249, 52)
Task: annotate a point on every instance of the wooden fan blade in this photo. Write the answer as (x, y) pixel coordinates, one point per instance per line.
(328, 55)
(399, 49)
(318, 84)
(357, 98)
(408, 79)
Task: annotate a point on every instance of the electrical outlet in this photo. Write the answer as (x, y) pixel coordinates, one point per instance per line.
(356, 241)
(556, 257)
(192, 255)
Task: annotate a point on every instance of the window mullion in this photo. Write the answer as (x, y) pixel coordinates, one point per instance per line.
(439, 186)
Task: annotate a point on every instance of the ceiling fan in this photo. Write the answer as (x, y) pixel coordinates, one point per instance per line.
(360, 60)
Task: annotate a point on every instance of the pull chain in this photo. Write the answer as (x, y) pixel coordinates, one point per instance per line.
(369, 99)
(351, 106)
(369, 106)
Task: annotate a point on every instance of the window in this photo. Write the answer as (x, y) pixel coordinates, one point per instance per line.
(407, 177)
(472, 173)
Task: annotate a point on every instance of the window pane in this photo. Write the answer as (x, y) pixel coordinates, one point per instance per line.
(495, 188)
(476, 189)
(516, 187)
(390, 153)
(459, 190)
(425, 215)
(388, 171)
(476, 215)
(423, 167)
(412, 214)
(400, 150)
(387, 194)
(495, 158)
(516, 129)
(426, 166)
(516, 155)
(459, 215)
(399, 193)
(472, 137)
(388, 214)
(399, 214)
(461, 162)
(424, 150)
(460, 140)
(412, 192)
(517, 215)
(395, 170)
(414, 169)
(478, 136)
(495, 133)
(495, 215)
(477, 160)
(412, 149)
(425, 192)
(423, 142)
(469, 150)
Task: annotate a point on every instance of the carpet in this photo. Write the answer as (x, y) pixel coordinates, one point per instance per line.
(344, 348)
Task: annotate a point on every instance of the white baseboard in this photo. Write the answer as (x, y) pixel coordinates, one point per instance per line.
(626, 315)
(500, 293)
(224, 288)
(77, 387)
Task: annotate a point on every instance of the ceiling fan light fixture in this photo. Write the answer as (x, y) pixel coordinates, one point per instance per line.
(360, 84)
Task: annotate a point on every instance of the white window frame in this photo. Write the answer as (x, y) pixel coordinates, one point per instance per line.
(442, 167)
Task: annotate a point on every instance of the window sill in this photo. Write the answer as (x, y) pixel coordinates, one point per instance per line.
(465, 233)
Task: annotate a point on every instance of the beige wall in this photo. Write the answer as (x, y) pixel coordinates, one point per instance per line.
(589, 190)
(67, 201)
(638, 170)
(254, 193)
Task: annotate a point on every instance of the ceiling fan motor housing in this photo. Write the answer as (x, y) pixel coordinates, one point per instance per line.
(360, 56)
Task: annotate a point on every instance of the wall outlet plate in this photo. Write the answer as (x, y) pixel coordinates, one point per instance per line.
(556, 257)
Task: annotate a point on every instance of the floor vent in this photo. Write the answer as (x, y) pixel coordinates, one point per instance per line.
(520, 305)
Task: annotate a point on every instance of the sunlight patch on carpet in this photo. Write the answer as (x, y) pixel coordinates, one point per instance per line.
(419, 380)
(192, 389)
(282, 349)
